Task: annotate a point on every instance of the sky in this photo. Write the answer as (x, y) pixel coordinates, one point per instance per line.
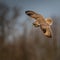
(45, 7)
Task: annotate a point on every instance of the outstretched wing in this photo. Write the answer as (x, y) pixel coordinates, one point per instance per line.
(36, 16)
(46, 30)
(48, 33)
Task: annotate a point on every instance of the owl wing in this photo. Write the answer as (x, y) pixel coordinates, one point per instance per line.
(46, 30)
(48, 33)
(36, 16)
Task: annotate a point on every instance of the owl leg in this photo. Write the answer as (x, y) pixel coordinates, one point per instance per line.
(36, 24)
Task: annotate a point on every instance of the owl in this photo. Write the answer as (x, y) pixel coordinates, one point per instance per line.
(43, 23)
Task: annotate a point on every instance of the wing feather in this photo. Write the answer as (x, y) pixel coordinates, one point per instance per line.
(36, 16)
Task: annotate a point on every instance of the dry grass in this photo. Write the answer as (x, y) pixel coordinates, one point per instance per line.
(30, 49)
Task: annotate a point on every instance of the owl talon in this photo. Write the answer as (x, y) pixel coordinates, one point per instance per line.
(36, 25)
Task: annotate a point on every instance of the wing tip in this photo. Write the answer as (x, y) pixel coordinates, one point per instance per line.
(28, 12)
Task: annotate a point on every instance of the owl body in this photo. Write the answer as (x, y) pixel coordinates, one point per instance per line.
(40, 21)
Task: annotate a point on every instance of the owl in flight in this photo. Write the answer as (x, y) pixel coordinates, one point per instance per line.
(43, 23)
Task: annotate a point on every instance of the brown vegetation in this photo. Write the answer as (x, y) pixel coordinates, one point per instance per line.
(31, 47)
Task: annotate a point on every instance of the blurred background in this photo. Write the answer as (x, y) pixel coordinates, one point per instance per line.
(19, 39)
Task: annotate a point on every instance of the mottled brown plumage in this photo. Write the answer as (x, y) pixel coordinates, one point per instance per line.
(41, 22)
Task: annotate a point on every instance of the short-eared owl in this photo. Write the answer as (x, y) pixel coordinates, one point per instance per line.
(41, 22)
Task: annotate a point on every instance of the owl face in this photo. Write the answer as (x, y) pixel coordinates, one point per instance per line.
(44, 24)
